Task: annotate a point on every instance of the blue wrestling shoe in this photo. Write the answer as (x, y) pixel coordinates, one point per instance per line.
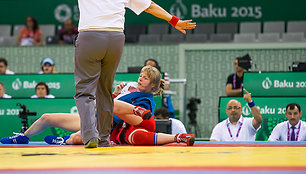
(52, 139)
(19, 138)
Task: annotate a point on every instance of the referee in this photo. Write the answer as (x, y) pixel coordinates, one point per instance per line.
(98, 49)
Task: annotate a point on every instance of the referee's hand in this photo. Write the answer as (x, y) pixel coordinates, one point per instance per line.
(185, 24)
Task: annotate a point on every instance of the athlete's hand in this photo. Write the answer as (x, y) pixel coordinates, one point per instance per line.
(185, 24)
(119, 88)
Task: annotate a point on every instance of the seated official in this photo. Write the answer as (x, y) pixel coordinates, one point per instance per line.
(42, 91)
(177, 126)
(2, 92)
(4, 67)
(293, 129)
(237, 127)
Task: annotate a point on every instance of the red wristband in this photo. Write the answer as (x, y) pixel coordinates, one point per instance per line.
(114, 96)
(174, 21)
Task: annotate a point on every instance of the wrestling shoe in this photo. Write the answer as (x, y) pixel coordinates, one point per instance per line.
(19, 138)
(143, 113)
(52, 139)
(185, 138)
(92, 143)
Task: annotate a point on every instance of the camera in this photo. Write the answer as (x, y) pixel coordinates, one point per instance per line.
(245, 62)
(299, 66)
(23, 115)
(192, 106)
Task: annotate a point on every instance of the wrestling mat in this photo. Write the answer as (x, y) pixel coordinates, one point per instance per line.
(203, 157)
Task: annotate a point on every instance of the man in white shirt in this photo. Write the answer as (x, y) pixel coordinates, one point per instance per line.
(177, 127)
(3, 67)
(97, 54)
(293, 129)
(2, 92)
(236, 127)
(42, 91)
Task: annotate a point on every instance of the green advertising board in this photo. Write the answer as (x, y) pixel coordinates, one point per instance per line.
(10, 122)
(272, 110)
(275, 83)
(57, 11)
(23, 85)
(60, 85)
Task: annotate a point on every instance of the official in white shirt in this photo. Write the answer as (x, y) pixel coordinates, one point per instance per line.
(42, 91)
(97, 54)
(293, 129)
(177, 127)
(4, 67)
(237, 127)
(2, 92)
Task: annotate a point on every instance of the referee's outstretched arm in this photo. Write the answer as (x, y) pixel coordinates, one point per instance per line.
(255, 111)
(180, 25)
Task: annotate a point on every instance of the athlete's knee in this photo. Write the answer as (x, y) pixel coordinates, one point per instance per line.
(45, 118)
(142, 137)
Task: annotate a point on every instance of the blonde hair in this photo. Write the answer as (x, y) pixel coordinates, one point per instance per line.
(155, 78)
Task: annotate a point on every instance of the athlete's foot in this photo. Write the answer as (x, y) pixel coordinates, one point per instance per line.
(185, 138)
(19, 138)
(143, 113)
(52, 139)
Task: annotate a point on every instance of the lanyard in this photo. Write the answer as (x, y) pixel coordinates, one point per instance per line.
(229, 130)
(234, 82)
(297, 133)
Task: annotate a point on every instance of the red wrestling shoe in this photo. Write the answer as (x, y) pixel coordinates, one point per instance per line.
(143, 113)
(185, 138)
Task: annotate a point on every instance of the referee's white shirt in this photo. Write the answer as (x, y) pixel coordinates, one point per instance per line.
(280, 131)
(247, 132)
(97, 14)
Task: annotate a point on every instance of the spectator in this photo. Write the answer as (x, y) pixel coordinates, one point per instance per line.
(3, 67)
(68, 33)
(165, 97)
(293, 129)
(30, 34)
(2, 91)
(42, 91)
(234, 84)
(236, 127)
(177, 127)
(47, 66)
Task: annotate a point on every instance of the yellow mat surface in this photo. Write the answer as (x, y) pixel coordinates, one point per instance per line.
(161, 156)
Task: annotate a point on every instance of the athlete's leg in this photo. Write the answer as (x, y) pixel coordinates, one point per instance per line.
(178, 138)
(69, 122)
(127, 112)
(131, 119)
(144, 137)
(122, 108)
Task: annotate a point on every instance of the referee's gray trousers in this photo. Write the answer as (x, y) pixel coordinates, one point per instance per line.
(97, 55)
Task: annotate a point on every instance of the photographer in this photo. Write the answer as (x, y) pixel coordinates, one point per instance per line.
(234, 84)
